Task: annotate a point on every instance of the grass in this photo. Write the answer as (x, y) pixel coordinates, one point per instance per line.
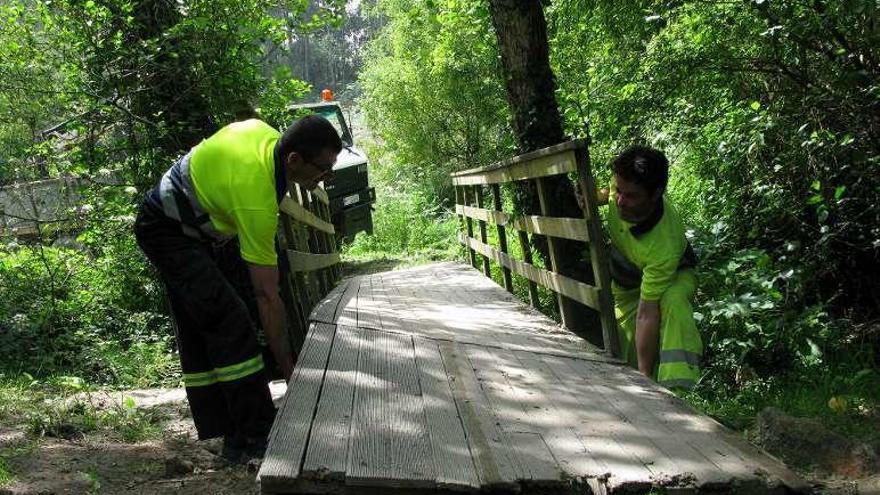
(844, 399)
(6, 475)
(64, 407)
(9, 454)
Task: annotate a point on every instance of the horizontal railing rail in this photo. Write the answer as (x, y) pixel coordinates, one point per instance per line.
(310, 268)
(471, 189)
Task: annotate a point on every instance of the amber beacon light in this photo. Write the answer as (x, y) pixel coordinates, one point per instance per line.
(326, 95)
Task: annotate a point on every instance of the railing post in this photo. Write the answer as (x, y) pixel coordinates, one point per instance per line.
(487, 270)
(601, 276)
(534, 300)
(470, 227)
(566, 310)
(502, 237)
(291, 290)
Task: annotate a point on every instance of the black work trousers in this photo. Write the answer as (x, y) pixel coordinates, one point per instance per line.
(226, 382)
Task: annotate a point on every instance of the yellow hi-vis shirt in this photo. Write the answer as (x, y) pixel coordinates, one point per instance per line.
(233, 174)
(657, 252)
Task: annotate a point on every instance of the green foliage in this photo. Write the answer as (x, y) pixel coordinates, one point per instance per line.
(67, 407)
(768, 112)
(433, 93)
(108, 92)
(97, 315)
(405, 223)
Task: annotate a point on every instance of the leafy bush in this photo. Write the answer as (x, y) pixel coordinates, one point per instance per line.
(95, 314)
(407, 223)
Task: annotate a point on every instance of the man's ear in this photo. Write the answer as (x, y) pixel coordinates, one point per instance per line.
(293, 162)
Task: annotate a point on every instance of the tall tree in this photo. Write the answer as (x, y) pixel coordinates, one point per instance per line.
(521, 30)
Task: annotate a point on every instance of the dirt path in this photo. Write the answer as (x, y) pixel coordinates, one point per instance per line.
(176, 464)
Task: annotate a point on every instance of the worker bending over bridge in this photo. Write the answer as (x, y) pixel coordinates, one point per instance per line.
(652, 271)
(217, 206)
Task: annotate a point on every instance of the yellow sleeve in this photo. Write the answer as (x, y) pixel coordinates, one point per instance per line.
(256, 234)
(657, 276)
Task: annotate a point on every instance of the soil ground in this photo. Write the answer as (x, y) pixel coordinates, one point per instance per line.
(176, 464)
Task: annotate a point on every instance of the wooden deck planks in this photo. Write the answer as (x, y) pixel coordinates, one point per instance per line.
(346, 310)
(452, 455)
(436, 379)
(512, 409)
(290, 433)
(389, 438)
(325, 310)
(328, 446)
(494, 459)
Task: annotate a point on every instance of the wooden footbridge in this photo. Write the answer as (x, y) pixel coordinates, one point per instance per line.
(437, 380)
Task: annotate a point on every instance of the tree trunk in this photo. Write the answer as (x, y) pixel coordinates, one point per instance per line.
(521, 30)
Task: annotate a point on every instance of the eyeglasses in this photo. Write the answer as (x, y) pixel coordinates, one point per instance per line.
(324, 172)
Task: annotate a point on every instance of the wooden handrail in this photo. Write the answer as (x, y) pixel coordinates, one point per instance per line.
(300, 214)
(536, 166)
(308, 241)
(540, 166)
(552, 150)
(569, 287)
(562, 227)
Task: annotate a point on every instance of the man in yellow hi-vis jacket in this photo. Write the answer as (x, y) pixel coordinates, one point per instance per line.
(652, 271)
(209, 229)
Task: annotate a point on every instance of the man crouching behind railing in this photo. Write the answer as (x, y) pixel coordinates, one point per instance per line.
(652, 271)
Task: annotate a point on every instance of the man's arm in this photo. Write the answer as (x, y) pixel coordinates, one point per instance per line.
(647, 336)
(265, 281)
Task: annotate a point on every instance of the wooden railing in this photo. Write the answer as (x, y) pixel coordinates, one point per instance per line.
(312, 267)
(471, 188)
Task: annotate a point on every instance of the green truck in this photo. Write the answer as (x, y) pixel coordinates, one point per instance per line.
(351, 197)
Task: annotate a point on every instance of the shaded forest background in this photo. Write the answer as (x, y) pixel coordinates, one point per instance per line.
(768, 110)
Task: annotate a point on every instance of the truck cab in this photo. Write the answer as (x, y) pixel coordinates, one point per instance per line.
(351, 197)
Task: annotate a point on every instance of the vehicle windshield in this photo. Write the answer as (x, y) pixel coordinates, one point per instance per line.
(334, 115)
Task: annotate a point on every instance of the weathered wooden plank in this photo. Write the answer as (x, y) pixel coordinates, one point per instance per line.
(389, 443)
(321, 194)
(554, 411)
(346, 311)
(325, 310)
(614, 423)
(290, 433)
(574, 144)
(367, 307)
(510, 406)
(544, 166)
(452, 457)
(299, 213)
(494, 458)
(579, 291)
(502, 237)
(688, 436)
(306, 262)
(328, 444)
(562, 227)
(598, 256)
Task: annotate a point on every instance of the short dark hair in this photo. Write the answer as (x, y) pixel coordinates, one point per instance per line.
(644, 166)
(309, 136)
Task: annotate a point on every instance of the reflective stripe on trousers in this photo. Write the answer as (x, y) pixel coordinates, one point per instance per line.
(224, 374)
(680, 349)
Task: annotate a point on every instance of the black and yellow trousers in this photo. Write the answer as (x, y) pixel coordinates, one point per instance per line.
(223, 371)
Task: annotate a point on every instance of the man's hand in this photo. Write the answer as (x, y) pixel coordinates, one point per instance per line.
(265, 281)
(648, 336)
(601, 198)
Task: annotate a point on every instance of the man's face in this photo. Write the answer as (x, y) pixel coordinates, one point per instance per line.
(308, 173)
(634, 202)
